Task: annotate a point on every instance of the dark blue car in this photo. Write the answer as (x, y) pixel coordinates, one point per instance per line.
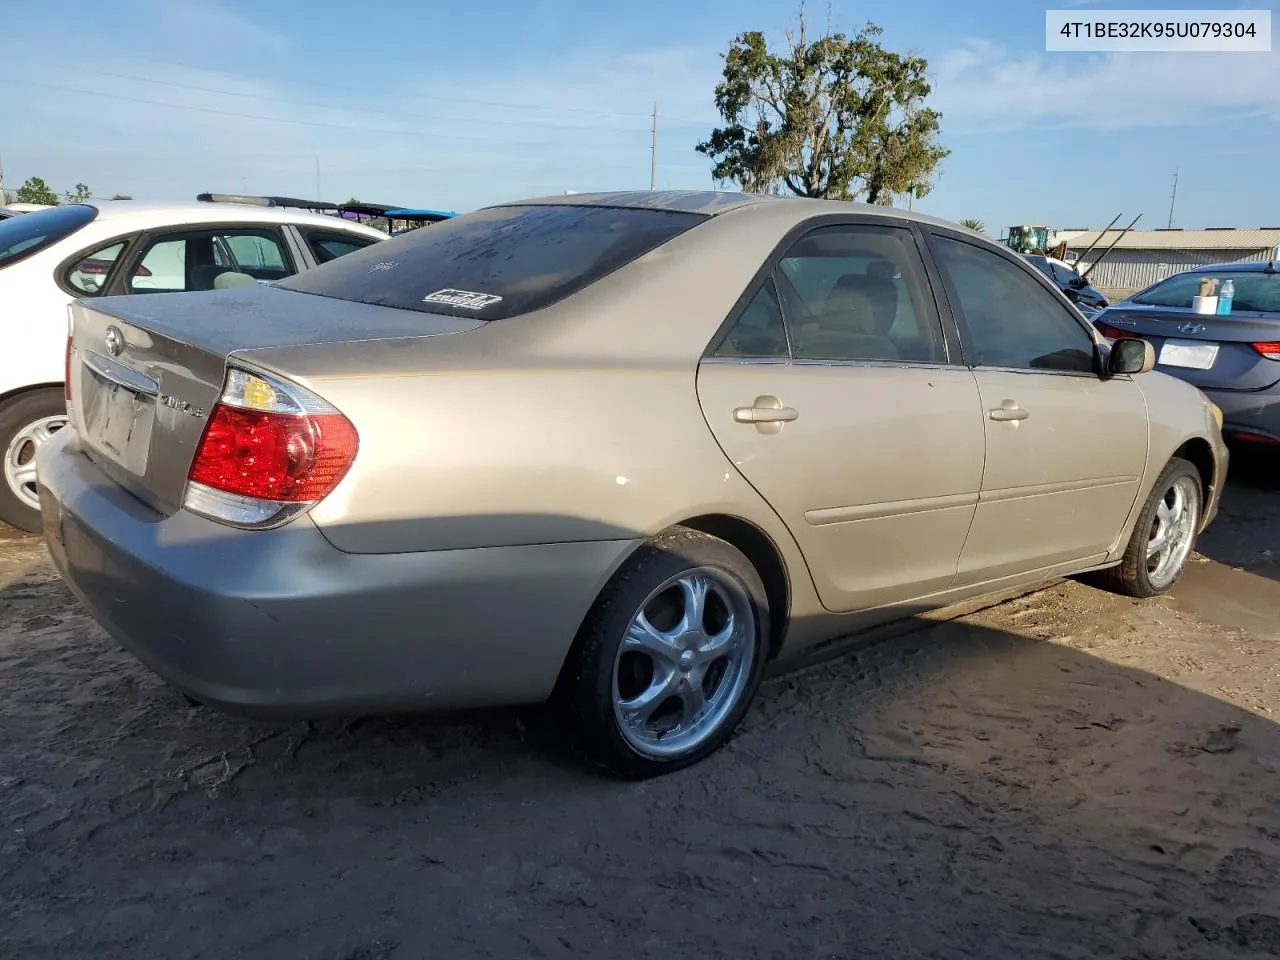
(1234, 358)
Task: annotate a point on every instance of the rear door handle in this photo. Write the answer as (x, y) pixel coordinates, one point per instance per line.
(1008, 410)
(767, 413)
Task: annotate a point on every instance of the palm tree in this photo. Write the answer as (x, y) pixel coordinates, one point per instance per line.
(975, 225)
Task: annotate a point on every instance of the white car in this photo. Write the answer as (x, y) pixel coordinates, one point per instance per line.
(48, 258)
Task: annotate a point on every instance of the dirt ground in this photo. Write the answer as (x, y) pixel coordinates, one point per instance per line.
(1065, 775)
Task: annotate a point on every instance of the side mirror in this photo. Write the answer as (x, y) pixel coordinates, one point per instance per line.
(1078, 282)
(1131, 357)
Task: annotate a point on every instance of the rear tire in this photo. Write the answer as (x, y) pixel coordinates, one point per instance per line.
(1164, 536)
(26, 421)
(669, 658)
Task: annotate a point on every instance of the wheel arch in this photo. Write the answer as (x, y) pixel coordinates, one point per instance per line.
(758, 547)
(1199, 453)
(17, 392)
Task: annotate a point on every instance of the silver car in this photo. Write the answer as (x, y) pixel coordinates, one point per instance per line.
(618, 451)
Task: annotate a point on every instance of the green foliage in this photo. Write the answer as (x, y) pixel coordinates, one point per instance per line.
(838, 117)
(973, 224)
(79, 195)
(36, 190)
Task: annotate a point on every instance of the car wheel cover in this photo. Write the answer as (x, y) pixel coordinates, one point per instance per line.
(684, 663)
(20, 458)
(1173, 529)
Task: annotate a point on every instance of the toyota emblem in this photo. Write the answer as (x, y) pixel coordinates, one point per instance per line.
(1191, 328)
(115, 341)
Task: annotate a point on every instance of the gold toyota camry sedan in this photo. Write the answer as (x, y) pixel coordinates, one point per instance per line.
(617, 451)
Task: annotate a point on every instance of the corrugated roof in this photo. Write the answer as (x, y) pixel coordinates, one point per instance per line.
(1216, 238)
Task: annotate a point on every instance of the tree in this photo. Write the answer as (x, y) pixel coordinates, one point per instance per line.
(977, 226)
(79, 195)
(837, 117)
(121, 196)
(36, 190)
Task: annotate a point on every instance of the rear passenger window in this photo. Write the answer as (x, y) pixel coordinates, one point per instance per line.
(90, 274)
(859, 293)
(331, 246)
(759, 332)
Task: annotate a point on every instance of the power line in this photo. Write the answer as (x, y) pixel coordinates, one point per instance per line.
(414, 96)
(292, 120)
(331, 106)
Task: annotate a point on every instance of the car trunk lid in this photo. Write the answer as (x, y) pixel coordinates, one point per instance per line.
(145, 371)
(1213, 352)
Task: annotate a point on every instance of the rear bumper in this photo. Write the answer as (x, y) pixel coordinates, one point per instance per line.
(281, 623)
(1255, 413)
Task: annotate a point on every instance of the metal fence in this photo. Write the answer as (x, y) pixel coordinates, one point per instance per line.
(1135, 269)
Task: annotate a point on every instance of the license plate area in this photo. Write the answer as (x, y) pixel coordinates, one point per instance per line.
(118, 421)
(1188, 354)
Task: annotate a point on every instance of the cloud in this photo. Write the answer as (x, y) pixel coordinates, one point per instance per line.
(460, 134)
(207, 21)
(981, 87)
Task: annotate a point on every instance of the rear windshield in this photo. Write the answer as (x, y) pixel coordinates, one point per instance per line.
(1255, 292)
(495, 263)
(28, 233)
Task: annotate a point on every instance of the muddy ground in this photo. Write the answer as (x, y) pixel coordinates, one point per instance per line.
(1066, 775)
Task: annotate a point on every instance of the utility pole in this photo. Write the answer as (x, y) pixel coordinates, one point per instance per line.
(1173, 198)
(653, 149)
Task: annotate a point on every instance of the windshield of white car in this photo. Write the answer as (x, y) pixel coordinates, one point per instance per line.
(30, 233)
(496, 263)
(1255, 292)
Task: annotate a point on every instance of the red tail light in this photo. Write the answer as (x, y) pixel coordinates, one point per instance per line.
(270, 451)
(1270, 350)
(1114, 333)
(141, 271)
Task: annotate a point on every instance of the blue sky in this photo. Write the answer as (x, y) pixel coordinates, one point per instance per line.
(463, 104)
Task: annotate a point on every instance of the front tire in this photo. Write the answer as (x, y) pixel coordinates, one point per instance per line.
(669, 658)
(26, 421)
(1164, 535)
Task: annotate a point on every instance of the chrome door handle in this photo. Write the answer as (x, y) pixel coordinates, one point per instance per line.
(767, 413)
(1008, 410)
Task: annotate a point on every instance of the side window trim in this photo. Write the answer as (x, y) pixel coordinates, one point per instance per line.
(951, 346)
(957, 310)
(62, 273)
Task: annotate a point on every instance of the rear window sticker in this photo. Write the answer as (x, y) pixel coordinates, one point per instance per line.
(467, 299)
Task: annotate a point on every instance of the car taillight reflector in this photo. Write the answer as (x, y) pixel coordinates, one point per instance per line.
(269, 451)
(1270, 350)
(1254, 437)
(1114, 333)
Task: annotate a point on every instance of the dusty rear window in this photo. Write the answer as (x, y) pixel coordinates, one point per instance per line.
(495, 263)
